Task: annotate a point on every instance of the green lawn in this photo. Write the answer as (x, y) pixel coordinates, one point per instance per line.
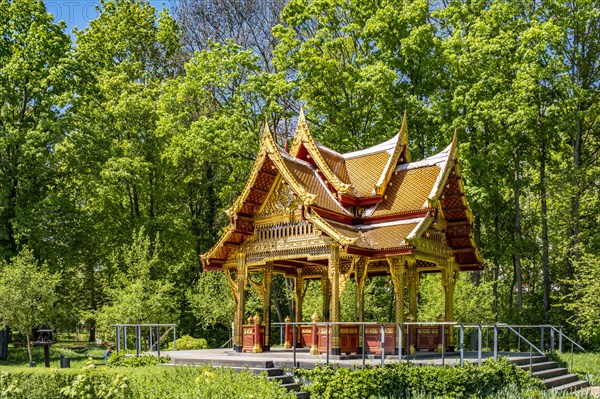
(78, 352)
(586, 364)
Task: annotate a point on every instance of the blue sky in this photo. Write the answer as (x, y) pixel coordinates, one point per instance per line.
(78, 13)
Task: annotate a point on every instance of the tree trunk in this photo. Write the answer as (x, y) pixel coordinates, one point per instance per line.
(496, 268)
(4, 344)
(517, 253)
(545, 244)
(573, 242)
(28, 340)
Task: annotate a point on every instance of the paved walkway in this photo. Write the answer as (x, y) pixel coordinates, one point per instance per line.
(285, 358)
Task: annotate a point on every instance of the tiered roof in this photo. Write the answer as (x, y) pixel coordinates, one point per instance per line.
(375, 202)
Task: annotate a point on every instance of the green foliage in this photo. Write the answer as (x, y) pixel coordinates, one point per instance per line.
(27, 294)
(584, 301)
(135, 297)
(138, 383)
(187, 343)
(121, 359)
(400, 380)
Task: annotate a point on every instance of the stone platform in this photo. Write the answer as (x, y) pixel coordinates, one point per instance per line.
(283, 358)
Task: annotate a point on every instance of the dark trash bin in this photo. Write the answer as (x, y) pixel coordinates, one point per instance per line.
(65, 362)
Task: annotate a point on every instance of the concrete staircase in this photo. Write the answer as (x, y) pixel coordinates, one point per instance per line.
(555, 378)
(277, 374)
(254, 366)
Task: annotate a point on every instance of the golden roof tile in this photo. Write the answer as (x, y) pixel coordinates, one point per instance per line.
(376, 237)
(364, 171)
(305, 175)
(408, 190)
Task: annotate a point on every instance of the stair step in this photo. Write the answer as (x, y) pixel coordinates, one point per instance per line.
(284, 379)
(560, 380)
(520, 361)
(302, 395)
(539, 366)
(572, 386)
(545, 374)
(270, 372)
(292, 386)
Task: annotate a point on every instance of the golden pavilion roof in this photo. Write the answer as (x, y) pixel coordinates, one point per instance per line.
(374, 202)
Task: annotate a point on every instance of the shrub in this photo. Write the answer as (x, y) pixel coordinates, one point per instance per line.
(121, 359)
(138, 383)
(189, 343)
(401, 380)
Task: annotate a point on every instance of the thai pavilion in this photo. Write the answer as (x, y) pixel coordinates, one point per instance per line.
(313, 213)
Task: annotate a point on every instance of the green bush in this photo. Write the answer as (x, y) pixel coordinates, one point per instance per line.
(121, 359)
(138, 383)
(189, 343)
(402, 380)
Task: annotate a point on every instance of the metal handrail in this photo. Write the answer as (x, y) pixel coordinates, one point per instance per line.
(565, 336)
(524, 339)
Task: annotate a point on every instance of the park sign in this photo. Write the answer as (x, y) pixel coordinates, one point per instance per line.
(313, 213)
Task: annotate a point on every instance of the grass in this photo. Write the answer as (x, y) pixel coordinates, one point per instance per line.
(585, 364)
(78, 352)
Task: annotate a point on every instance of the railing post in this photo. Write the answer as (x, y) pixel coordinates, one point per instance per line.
(294, 348)
(462, 344)
(443, 344)
(174, 338)
(479, 343)
(118, 337)
(400, 337)
(327, 340)
(560, 336)
(364, 344)
(382, 344)
(551, 339)
(530, 359)
(519, 340)
(571, 368)
(495, 341)
(542, 333)
(138, 343)
(125, 337)
(150, 338)
(158, 339)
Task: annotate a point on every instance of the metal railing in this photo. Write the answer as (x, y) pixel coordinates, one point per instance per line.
(523, 334)
(154, 336)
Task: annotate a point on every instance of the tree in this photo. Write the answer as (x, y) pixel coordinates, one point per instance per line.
(583, 300)
(358, 65)
(136, 294)
(27, 294)
(34, 71)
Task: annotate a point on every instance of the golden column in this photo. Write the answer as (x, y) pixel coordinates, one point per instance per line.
(326, 294)
(299, 292)
(360, 276)
(397, 273)
(334, 279)
(449, 282)
(267, 278)
(413, 287)
(241, 277)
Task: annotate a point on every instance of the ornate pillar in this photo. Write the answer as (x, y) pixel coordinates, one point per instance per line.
(397, 273)
(326, 293)
(334, 279)
(267, 278)
(360, 276)
(299, 292)
(449, 281)
(241, 277)
(413, 287)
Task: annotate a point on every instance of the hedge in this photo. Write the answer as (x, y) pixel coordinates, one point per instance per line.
(137, 383)
(405, 380)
